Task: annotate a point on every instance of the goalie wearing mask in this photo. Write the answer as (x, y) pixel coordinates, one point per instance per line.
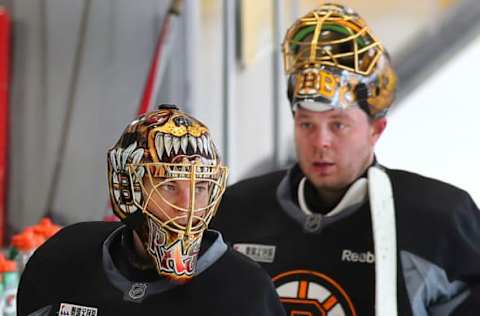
(166, 180)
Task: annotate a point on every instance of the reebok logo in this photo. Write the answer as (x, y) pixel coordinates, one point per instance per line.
(362, 257)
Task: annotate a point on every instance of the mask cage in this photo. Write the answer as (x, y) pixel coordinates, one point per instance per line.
(333, 39)
(190, 220)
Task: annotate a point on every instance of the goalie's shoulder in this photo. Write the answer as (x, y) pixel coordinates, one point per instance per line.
(417, 188)
(426, 203)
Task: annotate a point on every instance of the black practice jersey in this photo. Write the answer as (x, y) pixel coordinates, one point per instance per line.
(73, 274)
(325, 265)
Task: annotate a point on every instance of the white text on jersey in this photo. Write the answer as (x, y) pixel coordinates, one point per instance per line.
(362, 257)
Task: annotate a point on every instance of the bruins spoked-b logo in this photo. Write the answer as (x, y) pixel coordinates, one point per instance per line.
(310, 293)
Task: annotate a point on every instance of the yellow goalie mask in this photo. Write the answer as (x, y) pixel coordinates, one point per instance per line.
(166, 181)
(334, 61)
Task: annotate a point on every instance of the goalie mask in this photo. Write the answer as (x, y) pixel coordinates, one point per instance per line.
(166, 181)
(334, 61)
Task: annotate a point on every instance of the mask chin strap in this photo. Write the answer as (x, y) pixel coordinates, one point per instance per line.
(135, 221)
(385, 244)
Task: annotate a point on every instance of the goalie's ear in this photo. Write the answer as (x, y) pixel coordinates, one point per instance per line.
(377, 128)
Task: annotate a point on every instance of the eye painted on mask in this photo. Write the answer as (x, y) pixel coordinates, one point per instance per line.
(183, 121)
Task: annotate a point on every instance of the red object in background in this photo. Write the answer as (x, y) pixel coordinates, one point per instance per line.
(4, 85)
(46, 228)
(27, 240)
(7, 265)
(111, 218)
(159, 58)
(148, 96)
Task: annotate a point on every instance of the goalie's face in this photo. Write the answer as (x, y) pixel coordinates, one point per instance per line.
(335, 147)
(178, 202)
(170, 201)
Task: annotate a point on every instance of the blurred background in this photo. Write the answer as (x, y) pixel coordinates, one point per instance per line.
(74, 73)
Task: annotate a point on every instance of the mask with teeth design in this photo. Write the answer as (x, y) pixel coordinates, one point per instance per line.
(166, 181)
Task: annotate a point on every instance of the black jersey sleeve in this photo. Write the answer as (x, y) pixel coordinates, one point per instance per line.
(440, 224)
(270, 302)
(59, 264)
(254, 289)
(467, 221)
(30, 296)
(33, 290)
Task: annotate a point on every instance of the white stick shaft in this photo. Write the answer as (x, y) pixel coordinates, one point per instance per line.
(385, 242)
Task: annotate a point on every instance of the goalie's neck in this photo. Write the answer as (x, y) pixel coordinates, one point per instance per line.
(324, 201)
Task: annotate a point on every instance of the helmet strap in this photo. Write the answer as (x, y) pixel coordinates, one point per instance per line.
(361, 92)
(136, 222)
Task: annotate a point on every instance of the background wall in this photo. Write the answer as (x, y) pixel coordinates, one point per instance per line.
(117, 47)
(435, 130)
